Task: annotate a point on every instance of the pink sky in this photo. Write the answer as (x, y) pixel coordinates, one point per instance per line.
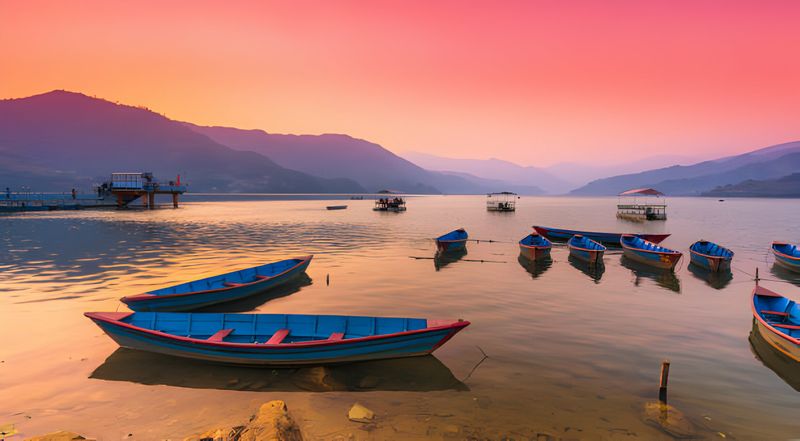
(535, 82)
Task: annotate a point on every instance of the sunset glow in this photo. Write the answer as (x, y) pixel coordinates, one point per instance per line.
(532, 82)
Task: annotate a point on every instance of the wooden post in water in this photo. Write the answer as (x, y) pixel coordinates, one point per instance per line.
(662, 389)
(757, 276)
(174, 200)
(327, 280)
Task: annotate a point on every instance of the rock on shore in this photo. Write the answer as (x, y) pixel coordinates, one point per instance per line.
(272, 423)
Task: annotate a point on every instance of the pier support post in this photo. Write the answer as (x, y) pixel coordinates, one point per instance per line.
(151, 200)
(120, 203)
(174, 200)
(662, 390)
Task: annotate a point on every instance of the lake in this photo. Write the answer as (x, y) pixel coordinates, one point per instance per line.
(572, 353)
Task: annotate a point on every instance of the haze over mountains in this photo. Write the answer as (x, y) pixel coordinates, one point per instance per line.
(61, 140)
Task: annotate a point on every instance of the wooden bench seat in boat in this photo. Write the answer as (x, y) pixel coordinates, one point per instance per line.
(784, 314)
(782, 326)
(278, 337)
(232, 285)
(336, 336)
(220, 335)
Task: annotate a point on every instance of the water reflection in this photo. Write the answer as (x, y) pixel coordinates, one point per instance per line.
(783, 366)
(714, 279)
(535, 267)
(418, 374)
(785, 274)
(664, 278)
(250, 303)
(595, 272)
(441, 260)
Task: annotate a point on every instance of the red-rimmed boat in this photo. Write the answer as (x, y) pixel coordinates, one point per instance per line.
(535, 247)
(648, 253)
(231, 286)
(607, 239)
(276, 339)
(778, 320)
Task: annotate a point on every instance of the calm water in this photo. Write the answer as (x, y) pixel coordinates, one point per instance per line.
(572, 353)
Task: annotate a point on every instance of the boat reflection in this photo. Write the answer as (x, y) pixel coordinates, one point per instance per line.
(250, 303)
(714, 279)
(662, 277)
(535, 267)
(595, 272)
(416, 374)
(783, 366)
(441, 260)
(785, 274)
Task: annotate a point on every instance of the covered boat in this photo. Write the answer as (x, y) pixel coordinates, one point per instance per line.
(535, 247)
(588, 250)
(710, 256)
(227, 287)
(786, 255)
(650, 207)
(503, 201)
(396, 204)
(276, 339)
(607, 239)
(453, 241)
(642, 251)
(778, 320)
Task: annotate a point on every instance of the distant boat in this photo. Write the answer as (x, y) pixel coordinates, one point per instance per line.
(648, 253)
(588, 250)
(608, 239)
(786, 255)
(778, 320)
(453, 241)
(356, 198)
(535, 247)
(336, 207)
(503, 201)
(276, 339)
(652, 207)
(710, 256)
(222, 288)
(395, 204)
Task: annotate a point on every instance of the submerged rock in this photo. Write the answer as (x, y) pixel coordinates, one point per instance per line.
(61, 435)
(360, 414)
(669, 420)
(271, 423)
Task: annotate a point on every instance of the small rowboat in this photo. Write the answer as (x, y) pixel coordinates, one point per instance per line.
(608, 239)
(227, 287)
(586, 249)
(786, 255)
(535, 247)
(778, 320)
(642, 251)
(453, 241)
(336, 207)
(275, 339)
(710, 256)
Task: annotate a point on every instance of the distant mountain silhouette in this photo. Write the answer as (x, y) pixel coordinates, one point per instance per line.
(767, 163)
(333, 156)
(59, 140)
(785, 187)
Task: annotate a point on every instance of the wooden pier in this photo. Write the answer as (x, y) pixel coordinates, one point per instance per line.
(128, 187)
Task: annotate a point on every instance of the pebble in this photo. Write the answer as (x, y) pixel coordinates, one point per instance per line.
(360, 414)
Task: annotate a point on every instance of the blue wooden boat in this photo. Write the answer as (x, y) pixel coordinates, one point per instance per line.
(710, 256)
(535, 246)
(608, 239)
(227, 287)
(276, 339)
(778, 320)
(455, 240)
(786, 255)
(648, 253)
(588, 250)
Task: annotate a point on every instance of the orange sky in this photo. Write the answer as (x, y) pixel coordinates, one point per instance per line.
(535, 82)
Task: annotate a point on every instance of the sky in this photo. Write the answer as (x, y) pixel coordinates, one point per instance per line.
(534, 82)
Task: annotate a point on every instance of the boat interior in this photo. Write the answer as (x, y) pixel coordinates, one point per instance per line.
(231, 279)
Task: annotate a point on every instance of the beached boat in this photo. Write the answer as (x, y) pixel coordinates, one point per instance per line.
(336, 207)
(396, 204)
(276, 339)
(227, 287)
(778, 320)
(607, 239)
(453, 241)
(503, 201)
(786, 255)
(710, 256)
(588, 250)
(535, 247)
(640, 250)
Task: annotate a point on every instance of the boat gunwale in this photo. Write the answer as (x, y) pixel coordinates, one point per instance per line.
(148, 296)
(669, 252)
(536, 247)
(455, 325)
(778, 253)
(440, 240)
(757, 314)
(596, 250)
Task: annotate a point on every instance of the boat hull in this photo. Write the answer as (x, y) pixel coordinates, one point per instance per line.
(408, 344)
(188, 302)
(534, 253)
(786, 261)
(711, 263)
(637, 251)
(593, 257)
(447, 246)
(780, 344)
(608, 239)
